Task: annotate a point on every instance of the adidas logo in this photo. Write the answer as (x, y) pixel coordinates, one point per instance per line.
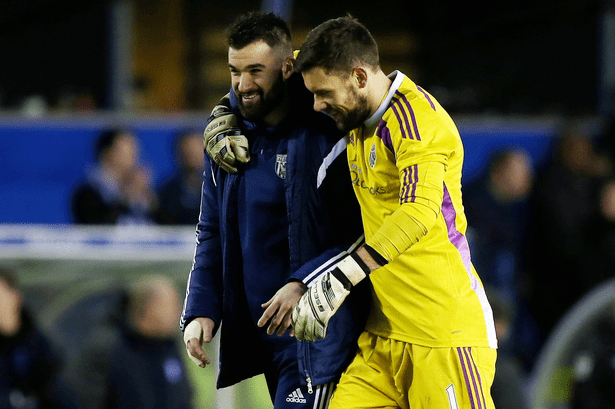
(296, 397)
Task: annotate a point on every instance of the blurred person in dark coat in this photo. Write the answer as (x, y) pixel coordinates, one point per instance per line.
(136, 361)
(498, 207)
(179, 195)
(565, 202)
(117, 190)
(29, 362)
(601, 238)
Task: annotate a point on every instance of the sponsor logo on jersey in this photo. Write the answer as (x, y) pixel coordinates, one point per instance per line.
(358, 181)
(280, 165)
(296, 397)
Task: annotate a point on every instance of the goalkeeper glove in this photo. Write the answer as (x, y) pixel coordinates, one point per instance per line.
(223, 138)
(321, 301)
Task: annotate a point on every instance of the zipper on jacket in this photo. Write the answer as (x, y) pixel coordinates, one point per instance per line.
(309, 385)
(308, 367)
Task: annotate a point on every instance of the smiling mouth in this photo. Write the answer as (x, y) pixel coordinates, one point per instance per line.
(335, 114)
(249, 97)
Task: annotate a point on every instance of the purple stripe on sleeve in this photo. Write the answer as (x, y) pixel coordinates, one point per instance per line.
(415, 182)
(427, 97)
(384, 134)
(412, 116)
(409, 181)
(405, 188)
(401, 122)
(472, 370)
(465, 375)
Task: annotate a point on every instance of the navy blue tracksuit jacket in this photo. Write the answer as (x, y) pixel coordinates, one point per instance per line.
(322, 219)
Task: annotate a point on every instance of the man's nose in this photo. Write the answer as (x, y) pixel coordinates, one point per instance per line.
(319, 105)
(246, 83)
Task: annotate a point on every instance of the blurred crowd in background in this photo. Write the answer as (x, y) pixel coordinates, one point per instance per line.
(127, 355)
(541, 238)
(118, 190)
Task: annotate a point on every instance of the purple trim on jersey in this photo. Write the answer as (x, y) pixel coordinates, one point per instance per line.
(401, 122)
(384, 134)
(403, 196)
(403, 98)
(427, 96)
(410, 179)
(456, 238)
(416, 181)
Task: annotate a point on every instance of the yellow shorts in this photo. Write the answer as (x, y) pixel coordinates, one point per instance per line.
(387, 373)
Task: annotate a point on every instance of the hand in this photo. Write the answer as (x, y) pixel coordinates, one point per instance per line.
(279, 308)
(198, 331)
(322, 300)
(223, 140)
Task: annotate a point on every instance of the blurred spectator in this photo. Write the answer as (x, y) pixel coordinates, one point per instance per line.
(180, 194)
(497, 207)
(28, 362)
(509, 385)
(140, 197)
(594, 367)
(117, 190)
(136, 361)
(600, 253)
(565, 203)
(498, 210)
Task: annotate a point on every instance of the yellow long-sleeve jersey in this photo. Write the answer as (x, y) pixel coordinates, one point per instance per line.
(406, 162)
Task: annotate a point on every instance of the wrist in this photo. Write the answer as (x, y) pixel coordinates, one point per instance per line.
(353, 268)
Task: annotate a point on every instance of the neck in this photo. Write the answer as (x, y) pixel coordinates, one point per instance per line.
(380, 89)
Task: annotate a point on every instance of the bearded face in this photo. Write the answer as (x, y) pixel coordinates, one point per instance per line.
(260, 102)
(339, 96)
(258, 75)
(352, 113)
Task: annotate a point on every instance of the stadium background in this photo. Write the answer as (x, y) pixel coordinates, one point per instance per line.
(510, 74)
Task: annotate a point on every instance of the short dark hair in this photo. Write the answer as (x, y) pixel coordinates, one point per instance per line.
(105, 142)
(337, 45)
(255, 26)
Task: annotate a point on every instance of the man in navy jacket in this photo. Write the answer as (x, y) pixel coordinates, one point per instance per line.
(267, 229)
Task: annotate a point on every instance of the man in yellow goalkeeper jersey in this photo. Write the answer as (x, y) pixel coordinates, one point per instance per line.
(430, 340)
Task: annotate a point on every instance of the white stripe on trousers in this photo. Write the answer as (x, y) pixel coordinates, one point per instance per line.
(323, 395)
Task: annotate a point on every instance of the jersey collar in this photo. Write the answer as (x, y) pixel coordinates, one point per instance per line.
(397, 77)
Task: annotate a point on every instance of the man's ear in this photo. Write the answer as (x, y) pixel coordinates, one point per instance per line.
(288, 67)
(359, 75)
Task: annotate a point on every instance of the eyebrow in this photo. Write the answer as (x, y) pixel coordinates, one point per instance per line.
(249, 67)
(322, 91)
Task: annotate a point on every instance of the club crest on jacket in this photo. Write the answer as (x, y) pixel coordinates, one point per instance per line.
(280, 165)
